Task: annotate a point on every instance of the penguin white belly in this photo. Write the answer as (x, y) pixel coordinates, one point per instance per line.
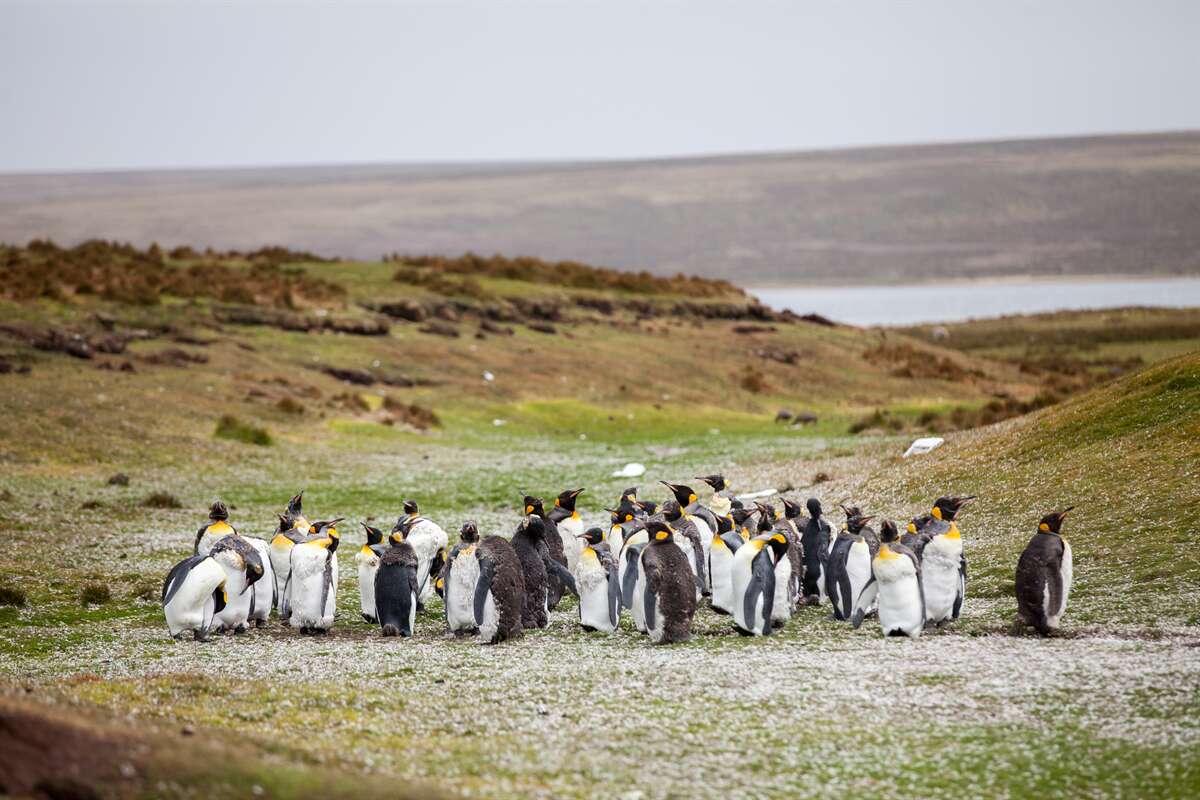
(781, 609)
(568, 529)
(264, 587)
(720, 562)
(689, 552)
(281, 565)
(639, 601)
(491, 619)
(460, 591)
(368, 565)
(310, 605)
(706, 534)
(237, 608)
(592, 581)
(659, 628)
(858, 570)
(940, 577)
(740, 573)
(191, 607)
(899, 596)
(426, 538)
(1054, 615)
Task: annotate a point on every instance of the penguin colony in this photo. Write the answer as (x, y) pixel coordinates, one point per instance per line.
(751, 564)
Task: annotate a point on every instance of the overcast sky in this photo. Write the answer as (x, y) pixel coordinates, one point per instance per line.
(97, 85)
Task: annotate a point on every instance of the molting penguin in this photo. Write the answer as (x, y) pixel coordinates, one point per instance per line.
(312, 581)
(217, 528)
(367, 559)
(918, 534)
(192, 594)
(1044, 574)
(499, 592)
(895, 585)
(427, 539)
(687, 539)
(570, 525)
(599, 584)
(848, 568)
(753, 578)
(396, 585)
(943, 564)
(459, 577)
(629, 498)
(529, 542)
(725, 544)
(554, 544)
(666, 587)
(720, 502)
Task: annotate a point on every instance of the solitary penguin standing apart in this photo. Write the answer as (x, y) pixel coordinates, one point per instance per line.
(396, 585)
(192, 594)
(367, 559)
(459, 577)
(599, 584)
(570, 525)
(499, 592)
(668, 590)
(753, 578)
(1044, 574)
(895, 585)
(943, 564)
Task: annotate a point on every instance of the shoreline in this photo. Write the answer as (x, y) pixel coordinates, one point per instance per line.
(1005, 280)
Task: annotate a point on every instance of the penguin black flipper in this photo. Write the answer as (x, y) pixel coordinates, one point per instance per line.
(328, 582)
(631, 572)
(762, 583)
(487, 573)
(176, 575)
(408, 583)
(962, 588)
(561, 572)
(219, 599)
(865, 598)
(650, 599)
(199, 536)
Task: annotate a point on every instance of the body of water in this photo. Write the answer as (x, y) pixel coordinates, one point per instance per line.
(951, 302)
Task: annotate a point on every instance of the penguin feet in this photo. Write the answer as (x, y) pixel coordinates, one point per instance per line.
(239, 630)
(260, 623)
(462, 634)
(200, 636)
(367, 618)
(812, 600)
(305, 630)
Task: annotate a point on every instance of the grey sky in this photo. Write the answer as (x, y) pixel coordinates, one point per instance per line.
(103, 85)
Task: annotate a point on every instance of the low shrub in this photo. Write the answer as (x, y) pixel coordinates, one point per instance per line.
(229, 427)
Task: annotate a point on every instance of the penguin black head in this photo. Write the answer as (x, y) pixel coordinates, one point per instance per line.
(327, 527)
(766, 515)
(403, 525)
(293, 506)
(646, 507)
(857, 522)
(374, 535)
(735, 503)
(683, 494)
(947, 508)
(533, 505)
(438, 562)
(749, 523)
(791, 509)
(814, 508)
(218, 512)
(918, 523)
(660, 532)
(410, 508)
(629, 495)
(888, 532)
(592, 536)
(851, 511)
(1052, 523)
(566, 500)
(254, 565)
(626, 512)
(717, 482)
(724, 524)
(535, 526)
(397, 537)
(779, 545)
(672, 511)
(739, 514)
(469, 532)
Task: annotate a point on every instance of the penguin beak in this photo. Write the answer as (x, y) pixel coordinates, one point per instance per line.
(1066, 511)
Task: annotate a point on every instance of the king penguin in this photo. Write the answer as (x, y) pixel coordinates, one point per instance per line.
(570, 525)
(529, 542)
(943, 563)
(427, 539)
(895, 587)
(816, 541)
(265, 592)
(396, 585)
(313, 579)
(459, 577)
(788, 570)
(720, 502)
(704, 519)
(192, 594)
(725, 544)
(848, 568)
(687, 539)
(243, 568)
(367, 559)
(666, 587)
(293, 529)
(499, 592)
(599, 584)
(627, 536)
(555, 587)
(1044, 574)
(217, 528)
(753, 578)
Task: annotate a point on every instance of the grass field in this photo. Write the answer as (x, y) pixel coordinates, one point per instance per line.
(1107, 709)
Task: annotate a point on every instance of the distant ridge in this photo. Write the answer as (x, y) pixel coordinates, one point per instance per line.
(1054, 207)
